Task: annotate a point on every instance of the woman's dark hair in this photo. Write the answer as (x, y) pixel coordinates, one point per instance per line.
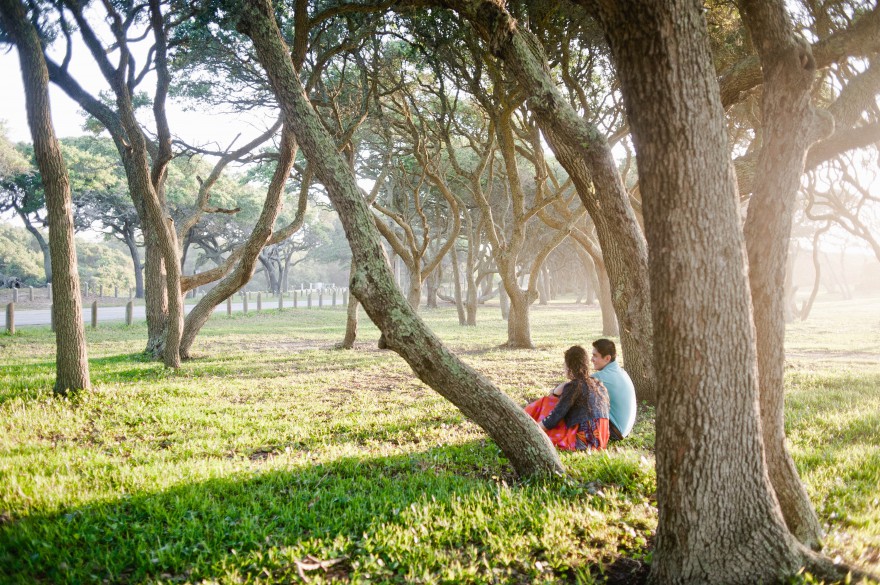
(576, 362)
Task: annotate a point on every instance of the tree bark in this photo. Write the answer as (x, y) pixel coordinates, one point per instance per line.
(71, 359)
(527, 447)
(719, 521)
(790, 126)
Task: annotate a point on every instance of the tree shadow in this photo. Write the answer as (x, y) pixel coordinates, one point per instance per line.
(352, 518)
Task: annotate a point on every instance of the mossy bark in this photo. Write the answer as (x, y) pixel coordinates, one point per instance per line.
(719, 521)
(527, 447)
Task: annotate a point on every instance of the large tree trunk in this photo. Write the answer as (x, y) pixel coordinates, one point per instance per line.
(790, 126)
(243, 271)
(606, 304)
(586, 156)
(71, 359)
(519, 332)
(155, 295)
(719, 521)
(527, 447)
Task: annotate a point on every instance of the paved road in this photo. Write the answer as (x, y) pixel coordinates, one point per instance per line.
(109, 314)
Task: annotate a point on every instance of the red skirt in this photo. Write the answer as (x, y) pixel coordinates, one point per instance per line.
(564, 437)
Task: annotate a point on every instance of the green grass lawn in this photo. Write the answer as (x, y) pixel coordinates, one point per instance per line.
(271, 457)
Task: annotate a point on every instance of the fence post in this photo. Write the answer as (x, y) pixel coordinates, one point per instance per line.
(259, 301)
(244, 299)
(10, 318)
(31, 293)
(95, 315)
(229, 306)
(320, 298)
(129, 312)
(115, 291)
(280, 301)
(14, 295)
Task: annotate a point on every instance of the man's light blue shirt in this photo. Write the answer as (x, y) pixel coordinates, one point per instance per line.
(621, 394)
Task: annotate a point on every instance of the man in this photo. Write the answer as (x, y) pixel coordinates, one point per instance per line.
(620, 388)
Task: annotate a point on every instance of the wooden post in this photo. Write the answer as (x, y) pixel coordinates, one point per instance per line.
(14, 295)
(229, 306)
(320, 298)
(10, 318)
(95, 315)
(280, 301)
(259, 301)
(31, 293)
(115, 291)
(244, 299)
(129, 312)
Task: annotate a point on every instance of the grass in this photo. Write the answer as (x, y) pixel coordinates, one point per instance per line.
(271, 457)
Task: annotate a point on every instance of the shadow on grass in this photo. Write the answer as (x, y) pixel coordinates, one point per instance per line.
(387, 519)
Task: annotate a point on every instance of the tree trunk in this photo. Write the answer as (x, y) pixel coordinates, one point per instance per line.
(519, 332)
(503, 301)
(243, 271)
(351, 319)
(44, 246)
(155, 296)
(431, 284)
(414, 287)
(606, 306)
(71, 359)
(456, 286)
(719, 521)
(136, 260)
(527, 447)
(790, 126)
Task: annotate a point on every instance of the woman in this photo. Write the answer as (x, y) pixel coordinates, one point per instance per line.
(580, 418)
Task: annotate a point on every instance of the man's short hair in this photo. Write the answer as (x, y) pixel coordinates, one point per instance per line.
(606, 348)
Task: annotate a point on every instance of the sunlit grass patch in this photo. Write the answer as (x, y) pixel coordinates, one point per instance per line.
(271, 455)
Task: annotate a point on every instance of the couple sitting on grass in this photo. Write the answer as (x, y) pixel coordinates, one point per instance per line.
(588, 411)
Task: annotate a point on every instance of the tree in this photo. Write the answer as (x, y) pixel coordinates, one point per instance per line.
(71, 360)
(710, 529)
(527, 447)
